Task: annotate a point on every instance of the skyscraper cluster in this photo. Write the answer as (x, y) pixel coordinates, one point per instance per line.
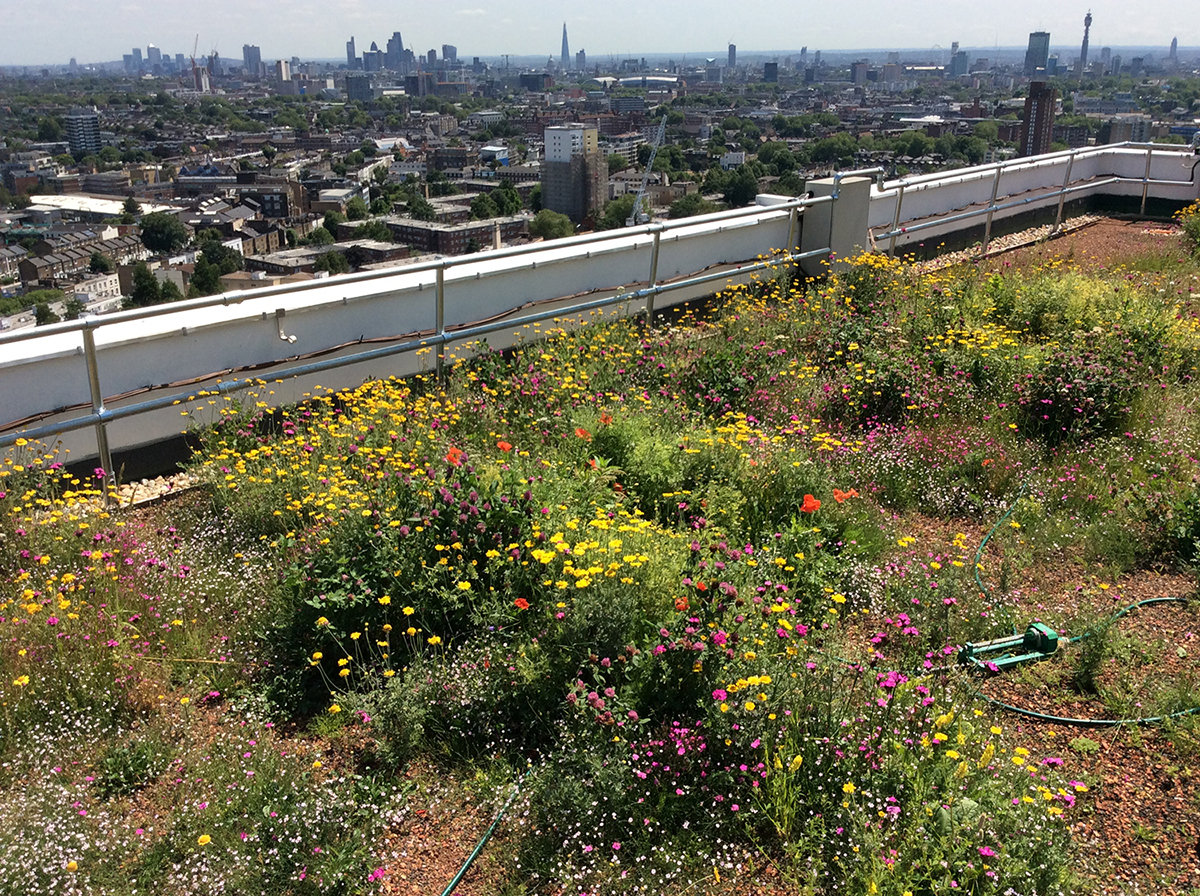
(394, 57)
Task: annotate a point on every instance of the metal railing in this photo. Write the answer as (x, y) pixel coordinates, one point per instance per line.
(101, 416)
(998, 169)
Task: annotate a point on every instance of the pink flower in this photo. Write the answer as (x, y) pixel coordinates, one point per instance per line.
(986, 851)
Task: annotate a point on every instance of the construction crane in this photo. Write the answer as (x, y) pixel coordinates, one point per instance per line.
(638, 215)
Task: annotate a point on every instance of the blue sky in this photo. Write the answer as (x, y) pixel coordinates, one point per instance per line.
(98, 30)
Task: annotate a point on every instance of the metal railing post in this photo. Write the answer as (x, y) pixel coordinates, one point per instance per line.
(440, 325)
(793, 220)
(1146, 180)
(102, 449)
(987, 230)
(654, 276)
(1062, 196)
(896, 220)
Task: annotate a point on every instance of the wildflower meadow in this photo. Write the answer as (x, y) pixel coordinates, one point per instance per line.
(695, 593)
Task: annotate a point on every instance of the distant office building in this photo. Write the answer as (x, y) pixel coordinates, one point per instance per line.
(393, 57)
(252, 60)
(180, 64)
(565, 59)
(960, 63)
(575, 172)
(449, 54)
(1038, 52)
(137, 58)
(732, 57)
(1052, 65)
(283, 71)
(1106, 59)
(581, 61)
(431, 58)
(351, 55)
(858, 73)
(358, 87)
(154, 57)
(1132, 128)
(1037, 130)
(372, 59)
(1173, 53)
(83, 130)
(771, 72)
(127, 62)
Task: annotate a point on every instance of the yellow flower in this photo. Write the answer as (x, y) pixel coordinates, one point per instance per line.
(848, 787)
(322, 622)
(318, 655)
(749, 706)
(385, 600)
(72, 865)
(184, 701)
(952, 754)
(316, 763)
(463, 586)
(435, 640)
(345, 673)
(408, 611)
(204, 840)
(21, 680)
(335, 708)
(389, 673)
(354, 636)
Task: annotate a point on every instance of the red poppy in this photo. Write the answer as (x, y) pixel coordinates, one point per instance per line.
(810, 505)
(454, 456)
(681, 604)
(606, 418)
(504, 446)
(840, 496)
(521, 603)
(700, 586)
(582, 433)
(592, 463)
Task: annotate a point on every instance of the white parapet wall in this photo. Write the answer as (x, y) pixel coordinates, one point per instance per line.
(262, 334)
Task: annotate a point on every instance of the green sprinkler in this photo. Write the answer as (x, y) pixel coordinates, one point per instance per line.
(1038, 642)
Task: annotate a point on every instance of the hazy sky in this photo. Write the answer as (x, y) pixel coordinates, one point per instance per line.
(36, 31)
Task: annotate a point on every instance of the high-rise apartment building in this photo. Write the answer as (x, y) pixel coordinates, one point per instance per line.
(358, 87)
(83, 130)
(771, 72)
(1038, 52)
(581, 61)
(252, 60)
(1037, 130)
(153, 57)
(732, 57)
(959, 64)
(283, 71)
(575, 172)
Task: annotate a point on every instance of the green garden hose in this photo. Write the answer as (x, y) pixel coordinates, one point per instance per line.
(487, 835)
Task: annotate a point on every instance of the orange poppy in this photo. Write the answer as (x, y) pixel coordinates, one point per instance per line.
(606, 418)
(810, 505)
(504, 446)
(454, 456)
(521, 603)
(840, 496)
(582, 433)
(681, 604)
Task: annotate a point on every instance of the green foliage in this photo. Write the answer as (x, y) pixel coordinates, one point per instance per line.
(482, 206)
(206, 279)
(334, 262)
(43, 315)
(692, 204)
(356, 209)
(100, 264)
(616, 213)
(740, 188)
(373, 230)
(163, 232)
(146, 290)
(319, 236)
(551, 225)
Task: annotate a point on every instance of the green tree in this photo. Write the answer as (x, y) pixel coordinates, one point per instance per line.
(482, 206)
(617, 162)
(163, 232)
(332, 220)
(373, 230)
(100, 263)
(74, 309)
(741, 188)
(206, 279)
(333, 262)
(42, 315)
(420, 208)
(356, 209)
(226, 260)
(535, 198)
(319, 236)
(616, 213)
(146, 290)
(169, 292)
(49, 130)
(507, 199)
(551, 225)
(691, 204)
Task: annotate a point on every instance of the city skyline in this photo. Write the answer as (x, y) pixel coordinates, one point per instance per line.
(103, 32)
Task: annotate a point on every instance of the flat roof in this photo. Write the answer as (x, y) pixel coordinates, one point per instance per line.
(97, 205)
